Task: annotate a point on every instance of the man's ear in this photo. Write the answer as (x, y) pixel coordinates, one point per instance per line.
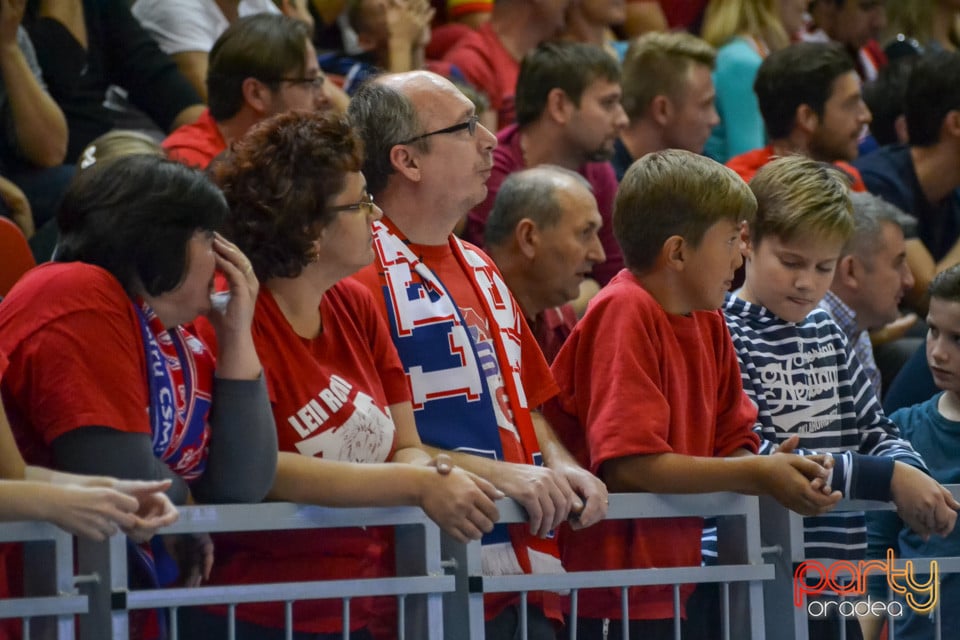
(559, 107)
(806, 119)
(661, 110)
(848, 272)
(672, 252)
(951, 124)
(527, 236)
(257, 95)
(405, 160)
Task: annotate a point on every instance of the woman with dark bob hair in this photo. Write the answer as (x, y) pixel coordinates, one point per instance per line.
(106, 374)
(299, 209)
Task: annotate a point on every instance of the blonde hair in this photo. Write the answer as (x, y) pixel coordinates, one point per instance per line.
(914, 19)
(656, 64)
(675, 193)
(726, 19)
(797, 195)
(116, 143)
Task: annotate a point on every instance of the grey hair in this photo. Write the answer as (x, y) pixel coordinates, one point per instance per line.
(530, 193)
(384, 117)
(869, 214)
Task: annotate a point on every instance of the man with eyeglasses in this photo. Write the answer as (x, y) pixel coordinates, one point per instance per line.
(262, 65)
(568, 114)
(476, 373)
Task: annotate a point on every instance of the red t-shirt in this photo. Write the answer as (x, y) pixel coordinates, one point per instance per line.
(747, 164)
(508, 158)
(489, 67)
(76, 357)
(197, 143)
(330, 397)
(635, 380)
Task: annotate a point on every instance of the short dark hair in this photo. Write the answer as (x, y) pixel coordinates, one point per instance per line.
(803, 73)
(569, 66)
(264, 46)
(946, 285)
(134, 216)
(675, 192)
(886, 98)
(530, 193)
(279, 180)
(384, 117)
(933, 91)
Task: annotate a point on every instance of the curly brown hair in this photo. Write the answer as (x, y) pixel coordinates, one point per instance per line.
(279, 180)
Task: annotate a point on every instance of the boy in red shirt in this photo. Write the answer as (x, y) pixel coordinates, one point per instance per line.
(650, 392)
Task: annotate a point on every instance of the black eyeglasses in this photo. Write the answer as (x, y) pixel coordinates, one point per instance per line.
(365, 204)
(470, 125)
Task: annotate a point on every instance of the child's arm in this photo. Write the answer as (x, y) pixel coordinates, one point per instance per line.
(789, 478)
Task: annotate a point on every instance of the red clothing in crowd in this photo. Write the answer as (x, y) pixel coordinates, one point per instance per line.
(635, 380)
(196, 144)
(747, 164)
(483, 60)
(330, 397)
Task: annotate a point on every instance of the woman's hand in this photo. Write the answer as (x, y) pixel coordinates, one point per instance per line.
(460, 502)
(92, 512)
(237, 314)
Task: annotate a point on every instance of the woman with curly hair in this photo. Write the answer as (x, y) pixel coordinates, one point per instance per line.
(301, 211)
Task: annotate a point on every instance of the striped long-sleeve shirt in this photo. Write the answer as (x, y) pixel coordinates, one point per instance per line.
(806, 380)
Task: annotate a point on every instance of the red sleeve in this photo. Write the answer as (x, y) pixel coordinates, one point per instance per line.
(189, 156)
(610, 388)
(736, 414)
(84, 369)
(468, 55)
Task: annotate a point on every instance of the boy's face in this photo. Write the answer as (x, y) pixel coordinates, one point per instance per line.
(790, 278)
(710, 267)
(943, 343)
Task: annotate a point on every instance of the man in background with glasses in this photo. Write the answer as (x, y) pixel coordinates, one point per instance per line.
(261, 66)
(476, 373)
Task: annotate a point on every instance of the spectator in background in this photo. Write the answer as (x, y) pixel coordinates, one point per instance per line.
(262, 65)
(593, 21)
(393, 35)
(568, 114)
(855, 24)
(871, 279)
(542, 235)
(472, 13)
(186, 29)
(668, 96)
(886, 97)
(744, 33)
(809, 95)
(84, 46)
(922, 177)
(33, 143)
(490, 57)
